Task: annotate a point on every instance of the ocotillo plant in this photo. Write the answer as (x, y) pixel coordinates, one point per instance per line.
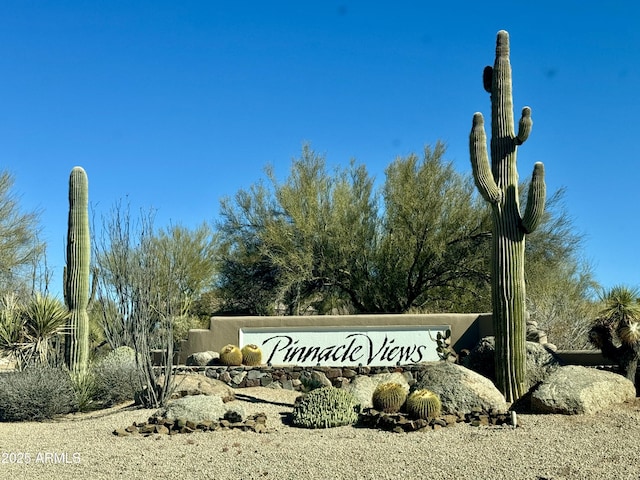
(498, 184)
(76, 288)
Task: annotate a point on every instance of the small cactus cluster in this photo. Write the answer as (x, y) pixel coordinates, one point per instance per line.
(444, 348)
(324, 408)
(249, 355)
(389, 397)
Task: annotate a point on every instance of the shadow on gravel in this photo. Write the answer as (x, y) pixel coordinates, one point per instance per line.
(251, 399)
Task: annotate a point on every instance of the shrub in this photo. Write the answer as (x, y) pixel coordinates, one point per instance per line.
(324, 408)
(116, 377)
(84, 384)
(36, 393)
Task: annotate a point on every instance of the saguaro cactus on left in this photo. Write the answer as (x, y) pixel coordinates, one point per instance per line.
(76, 288)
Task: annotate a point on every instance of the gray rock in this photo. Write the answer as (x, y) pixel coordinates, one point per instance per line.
(235, 413)
(540, 361)
(575, 389)
(195, 408)
(314, 379)
(194, 384)
(461, 390)
(362, 387)
(201, 359)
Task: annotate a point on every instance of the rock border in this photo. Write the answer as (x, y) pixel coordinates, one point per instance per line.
(156, 425)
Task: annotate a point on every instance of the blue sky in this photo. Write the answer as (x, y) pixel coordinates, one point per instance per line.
(172, 105)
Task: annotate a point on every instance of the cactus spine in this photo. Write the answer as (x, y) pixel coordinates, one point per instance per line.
(498, 184)
(76, 289)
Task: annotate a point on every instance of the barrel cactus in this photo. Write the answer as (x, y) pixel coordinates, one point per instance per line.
(251, 355)
(389, 397)
(231, 355)
(324, 408)
(76, 272)
(498, 184)
(424, 404)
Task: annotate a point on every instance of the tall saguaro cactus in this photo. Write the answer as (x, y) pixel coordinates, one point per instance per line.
(498, 184)
(76, 288)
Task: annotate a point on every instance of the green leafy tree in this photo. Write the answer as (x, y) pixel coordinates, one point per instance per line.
(560, 282)
(329, 242)
(332, 243)
(189, 256)
(20, 250)
(247, 279)
(433, 249)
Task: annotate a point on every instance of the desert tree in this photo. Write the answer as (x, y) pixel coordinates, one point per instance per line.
(330, 241)
(561, 287)
(21, 251)
(137, 309)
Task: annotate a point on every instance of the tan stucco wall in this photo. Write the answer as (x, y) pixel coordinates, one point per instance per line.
(466, 329)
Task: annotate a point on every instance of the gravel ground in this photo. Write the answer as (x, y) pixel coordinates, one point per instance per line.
(603, 446)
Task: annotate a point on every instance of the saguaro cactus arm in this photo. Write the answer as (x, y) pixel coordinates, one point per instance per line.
(524, 126)
(534, 211)
(480, 162)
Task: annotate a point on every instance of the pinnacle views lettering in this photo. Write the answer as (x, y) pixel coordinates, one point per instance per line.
(358, 348)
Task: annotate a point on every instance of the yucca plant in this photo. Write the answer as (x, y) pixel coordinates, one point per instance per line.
(45, 317)
(12, 323)
(616, 332)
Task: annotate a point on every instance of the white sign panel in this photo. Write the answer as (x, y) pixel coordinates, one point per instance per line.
(340, 346)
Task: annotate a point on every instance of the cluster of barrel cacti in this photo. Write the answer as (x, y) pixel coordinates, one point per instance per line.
(325, 407)
(233, 355)
(392, 398)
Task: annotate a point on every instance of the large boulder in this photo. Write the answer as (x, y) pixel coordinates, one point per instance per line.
(362, 387)
(540, 361)
(575, 389)
(193, 384)
(461, 390)
(196, 408)
(202, 359)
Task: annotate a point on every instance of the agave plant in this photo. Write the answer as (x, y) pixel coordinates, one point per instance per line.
(616, 332)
